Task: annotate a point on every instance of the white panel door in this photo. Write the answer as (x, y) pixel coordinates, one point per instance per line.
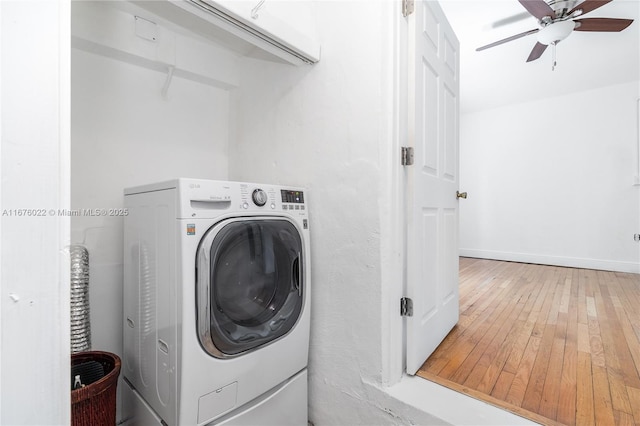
(432, 182)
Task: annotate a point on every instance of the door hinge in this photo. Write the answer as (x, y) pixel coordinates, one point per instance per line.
(407, 156)
(406, 307)
(407, 7)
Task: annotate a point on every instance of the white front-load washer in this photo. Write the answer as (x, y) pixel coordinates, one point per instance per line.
(216, 303)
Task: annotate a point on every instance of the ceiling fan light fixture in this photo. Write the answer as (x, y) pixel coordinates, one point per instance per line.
(555, 32)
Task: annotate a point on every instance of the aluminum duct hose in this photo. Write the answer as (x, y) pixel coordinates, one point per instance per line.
(80, 321)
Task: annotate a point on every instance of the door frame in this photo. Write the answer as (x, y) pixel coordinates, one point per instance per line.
(394, 223)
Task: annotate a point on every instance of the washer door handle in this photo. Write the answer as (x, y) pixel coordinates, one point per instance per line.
(296, 274)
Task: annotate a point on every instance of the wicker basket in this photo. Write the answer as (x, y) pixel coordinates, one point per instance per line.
(95, 404)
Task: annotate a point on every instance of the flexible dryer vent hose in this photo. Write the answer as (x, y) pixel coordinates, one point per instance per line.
(80, 321)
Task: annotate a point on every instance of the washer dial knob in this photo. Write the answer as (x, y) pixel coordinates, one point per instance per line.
(259, 197)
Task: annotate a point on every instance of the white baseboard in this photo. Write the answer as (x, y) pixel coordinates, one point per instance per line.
(573, 262)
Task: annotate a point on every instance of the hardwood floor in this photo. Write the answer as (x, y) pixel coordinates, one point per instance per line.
(556, 345)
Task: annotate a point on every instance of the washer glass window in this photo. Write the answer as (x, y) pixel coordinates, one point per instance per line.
(255, 284)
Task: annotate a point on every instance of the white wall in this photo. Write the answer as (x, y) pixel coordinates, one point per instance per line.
(34, 152)
(551, 181)
(125, 133)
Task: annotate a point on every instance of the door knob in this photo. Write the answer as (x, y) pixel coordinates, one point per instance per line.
(461, 195)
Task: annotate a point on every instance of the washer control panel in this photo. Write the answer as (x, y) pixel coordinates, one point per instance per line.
(271, 198)
(292, 200)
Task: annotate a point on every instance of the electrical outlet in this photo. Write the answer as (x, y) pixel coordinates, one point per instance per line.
(636, 237)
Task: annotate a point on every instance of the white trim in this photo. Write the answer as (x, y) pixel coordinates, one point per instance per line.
(35, 177)
(636, 180)
(392, 216)
(1, 287)
(64, 200)
(573, 262)
(449, 406)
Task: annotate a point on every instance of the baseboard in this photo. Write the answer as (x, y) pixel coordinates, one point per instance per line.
(572, 262)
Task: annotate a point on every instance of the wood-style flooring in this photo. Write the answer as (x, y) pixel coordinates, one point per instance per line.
(556, 345)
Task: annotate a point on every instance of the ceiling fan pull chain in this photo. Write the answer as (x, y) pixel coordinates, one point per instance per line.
(553, 63)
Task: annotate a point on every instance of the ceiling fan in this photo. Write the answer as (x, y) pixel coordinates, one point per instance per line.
(558, 22)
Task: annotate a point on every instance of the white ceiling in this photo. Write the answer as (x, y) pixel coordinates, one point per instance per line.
(500, 75)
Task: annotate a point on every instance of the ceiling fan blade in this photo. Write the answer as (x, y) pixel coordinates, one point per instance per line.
(588, 5)
(537, 51)
(513, 37)
(538, 8)
(602, 24)
(510, 19)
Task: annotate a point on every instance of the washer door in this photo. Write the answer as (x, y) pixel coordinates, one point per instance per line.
(249, 284)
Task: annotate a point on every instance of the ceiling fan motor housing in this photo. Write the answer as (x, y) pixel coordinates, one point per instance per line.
(561, 7)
